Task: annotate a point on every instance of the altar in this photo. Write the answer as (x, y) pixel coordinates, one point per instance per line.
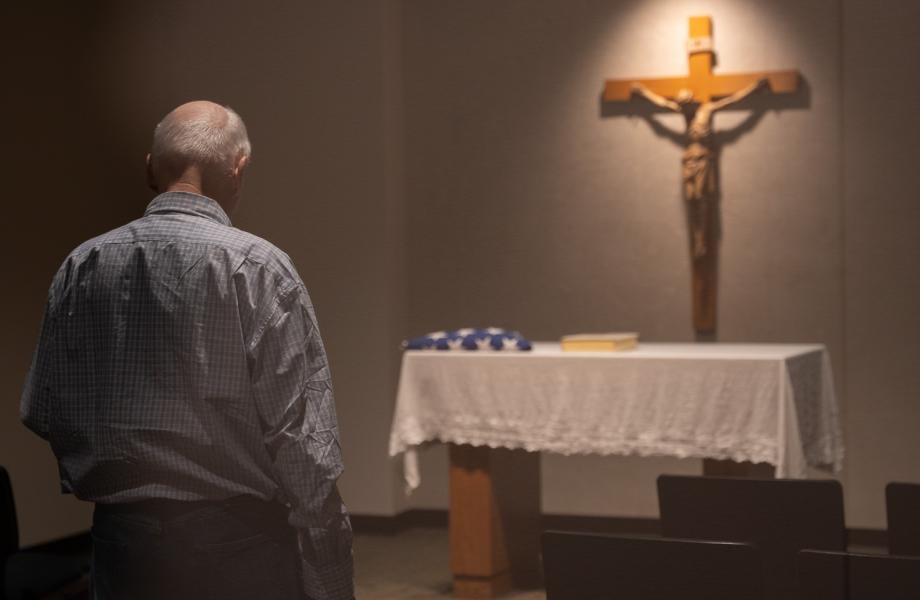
(757, 403)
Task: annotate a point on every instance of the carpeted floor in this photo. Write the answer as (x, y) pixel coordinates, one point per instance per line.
(411, 565)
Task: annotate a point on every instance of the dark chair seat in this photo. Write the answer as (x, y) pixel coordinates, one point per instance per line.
(902, 502)
(31, 575)
(582, 566)
(25, 574)
(842, 576)
(779, 516)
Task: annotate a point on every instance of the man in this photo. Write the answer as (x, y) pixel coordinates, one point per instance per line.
(182, 383)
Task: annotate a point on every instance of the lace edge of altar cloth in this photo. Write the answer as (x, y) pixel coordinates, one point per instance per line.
(725, 448)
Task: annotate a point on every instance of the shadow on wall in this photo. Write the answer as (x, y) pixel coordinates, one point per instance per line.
(69, 159)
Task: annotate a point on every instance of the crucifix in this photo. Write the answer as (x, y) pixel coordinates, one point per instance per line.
(698, 96)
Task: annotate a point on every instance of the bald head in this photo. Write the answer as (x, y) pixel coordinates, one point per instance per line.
(201, 147)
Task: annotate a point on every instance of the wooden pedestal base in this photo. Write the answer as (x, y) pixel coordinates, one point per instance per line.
(494, 520)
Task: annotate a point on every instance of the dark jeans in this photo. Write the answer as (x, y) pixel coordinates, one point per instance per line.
(162, 550)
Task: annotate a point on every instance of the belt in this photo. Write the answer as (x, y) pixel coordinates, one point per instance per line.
(165, 508)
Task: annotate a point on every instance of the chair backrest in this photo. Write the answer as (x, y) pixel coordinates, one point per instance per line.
(584, 566)
(903, 506)
(9, 530)
(841, 576)
(779, 516)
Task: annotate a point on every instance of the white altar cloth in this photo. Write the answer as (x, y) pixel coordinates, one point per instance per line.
(771, 403)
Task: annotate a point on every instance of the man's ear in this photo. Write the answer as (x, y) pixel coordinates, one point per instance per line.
(241, 165)
(151, 180)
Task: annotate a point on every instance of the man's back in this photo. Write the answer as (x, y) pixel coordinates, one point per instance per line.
(148, 388)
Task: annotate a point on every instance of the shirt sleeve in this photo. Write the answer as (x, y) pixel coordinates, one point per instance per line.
(35, 404)
(293, 393)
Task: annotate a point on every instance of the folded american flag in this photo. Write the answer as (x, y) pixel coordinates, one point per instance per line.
(491, 338)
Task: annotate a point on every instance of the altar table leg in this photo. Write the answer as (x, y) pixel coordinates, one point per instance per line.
(494, 520)
(730, 468)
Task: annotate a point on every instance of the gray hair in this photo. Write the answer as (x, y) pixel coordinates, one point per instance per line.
(213, 139)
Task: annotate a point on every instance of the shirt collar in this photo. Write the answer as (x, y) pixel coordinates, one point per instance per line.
(189, 204)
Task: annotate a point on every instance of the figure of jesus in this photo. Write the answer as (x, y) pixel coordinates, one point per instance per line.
(700, 181)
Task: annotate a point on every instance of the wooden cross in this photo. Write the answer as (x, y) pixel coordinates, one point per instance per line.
(701, 81)
(695, 97)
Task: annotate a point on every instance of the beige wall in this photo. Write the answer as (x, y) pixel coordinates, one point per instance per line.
(449, 160)
(882, 129)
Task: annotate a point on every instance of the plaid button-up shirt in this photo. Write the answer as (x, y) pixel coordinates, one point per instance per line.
(180, 358)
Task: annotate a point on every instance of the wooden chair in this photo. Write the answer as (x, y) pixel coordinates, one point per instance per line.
(583, 566)
(841, 576)
(902, 501)
(779, 516)
(27, 574)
